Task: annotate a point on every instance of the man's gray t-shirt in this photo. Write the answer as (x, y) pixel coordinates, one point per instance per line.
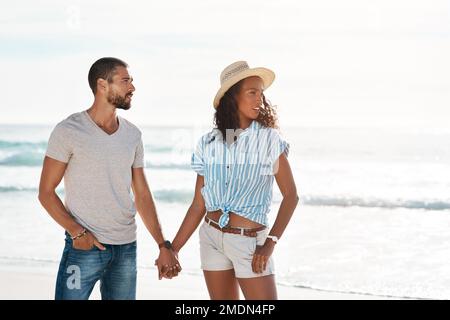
(98, 177)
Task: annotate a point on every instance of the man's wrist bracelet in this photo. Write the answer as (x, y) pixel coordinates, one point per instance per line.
(81, 234)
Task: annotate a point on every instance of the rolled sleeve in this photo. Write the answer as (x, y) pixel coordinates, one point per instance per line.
(278, 146)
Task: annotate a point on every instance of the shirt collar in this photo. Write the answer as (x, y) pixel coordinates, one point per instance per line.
(255, 125)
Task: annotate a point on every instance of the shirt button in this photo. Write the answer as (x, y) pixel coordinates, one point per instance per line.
(228, 167)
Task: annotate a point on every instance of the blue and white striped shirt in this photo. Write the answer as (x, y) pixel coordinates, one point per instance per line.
(239, 175)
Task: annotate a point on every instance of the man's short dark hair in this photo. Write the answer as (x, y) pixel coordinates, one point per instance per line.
(103, 68)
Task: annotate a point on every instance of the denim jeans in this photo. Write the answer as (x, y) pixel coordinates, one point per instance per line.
(80, 270)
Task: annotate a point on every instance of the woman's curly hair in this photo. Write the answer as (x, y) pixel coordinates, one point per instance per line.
(226, 116)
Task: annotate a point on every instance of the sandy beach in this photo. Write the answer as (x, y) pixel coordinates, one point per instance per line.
(36, 281)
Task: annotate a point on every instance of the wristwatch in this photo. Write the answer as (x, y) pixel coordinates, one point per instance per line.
(166, 244)
(274, 238)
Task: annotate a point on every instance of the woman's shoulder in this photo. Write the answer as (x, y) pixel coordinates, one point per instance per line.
(210, 136)
(269, 132)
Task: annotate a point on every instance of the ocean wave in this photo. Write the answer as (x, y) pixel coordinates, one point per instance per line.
(164, 195)
(152, 148)
(22, 153)
(31, 154)
(349, 201)
(22, 144)
(25, 159)
(185, 196)
(174, 196)
(167, 166)
(391, 295)
(4, 189)
(35, 159)
(28, 145)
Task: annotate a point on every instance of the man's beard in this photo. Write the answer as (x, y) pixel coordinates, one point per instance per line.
(118, 101)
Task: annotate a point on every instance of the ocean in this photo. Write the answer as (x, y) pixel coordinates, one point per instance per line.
(373, 216)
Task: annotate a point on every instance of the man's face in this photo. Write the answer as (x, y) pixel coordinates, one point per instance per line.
(120, 89)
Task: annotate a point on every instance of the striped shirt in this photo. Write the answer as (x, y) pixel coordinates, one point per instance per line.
(239, 175)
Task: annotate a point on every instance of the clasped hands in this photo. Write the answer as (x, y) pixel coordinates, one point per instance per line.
(167, 264)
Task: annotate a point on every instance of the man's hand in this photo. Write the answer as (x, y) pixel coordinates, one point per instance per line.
(167, 264)
(87, 242)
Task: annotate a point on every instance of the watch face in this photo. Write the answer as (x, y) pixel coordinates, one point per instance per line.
(167, 244)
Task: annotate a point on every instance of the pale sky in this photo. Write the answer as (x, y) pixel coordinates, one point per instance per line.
(339, 63)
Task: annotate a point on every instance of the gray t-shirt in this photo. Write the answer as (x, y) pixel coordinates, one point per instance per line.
(98, 177)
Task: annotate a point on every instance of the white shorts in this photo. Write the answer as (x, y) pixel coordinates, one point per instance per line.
(225, 251)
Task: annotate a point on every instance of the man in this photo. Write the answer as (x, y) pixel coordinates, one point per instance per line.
(101, 157)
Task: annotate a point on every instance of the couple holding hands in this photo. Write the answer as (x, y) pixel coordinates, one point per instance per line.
(100, 155)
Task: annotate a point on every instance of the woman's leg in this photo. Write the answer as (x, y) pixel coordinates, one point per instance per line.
(260, 288)
(222, 285)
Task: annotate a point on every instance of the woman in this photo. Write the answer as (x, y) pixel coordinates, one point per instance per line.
(236, 164)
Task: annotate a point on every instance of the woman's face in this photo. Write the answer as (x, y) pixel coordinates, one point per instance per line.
(249, 99)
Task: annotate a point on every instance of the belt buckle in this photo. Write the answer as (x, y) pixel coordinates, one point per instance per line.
(210, 222)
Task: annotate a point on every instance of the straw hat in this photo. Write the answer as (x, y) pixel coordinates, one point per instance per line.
(237, 71)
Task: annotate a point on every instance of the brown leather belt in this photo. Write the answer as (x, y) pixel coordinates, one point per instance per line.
(241, 231)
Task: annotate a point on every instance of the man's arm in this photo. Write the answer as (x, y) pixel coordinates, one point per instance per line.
(52, 174)
(147, 211)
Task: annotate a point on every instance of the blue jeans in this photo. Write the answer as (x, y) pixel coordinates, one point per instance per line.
(80, 270)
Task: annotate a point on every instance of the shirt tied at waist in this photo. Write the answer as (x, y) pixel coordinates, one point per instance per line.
(225, 217)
